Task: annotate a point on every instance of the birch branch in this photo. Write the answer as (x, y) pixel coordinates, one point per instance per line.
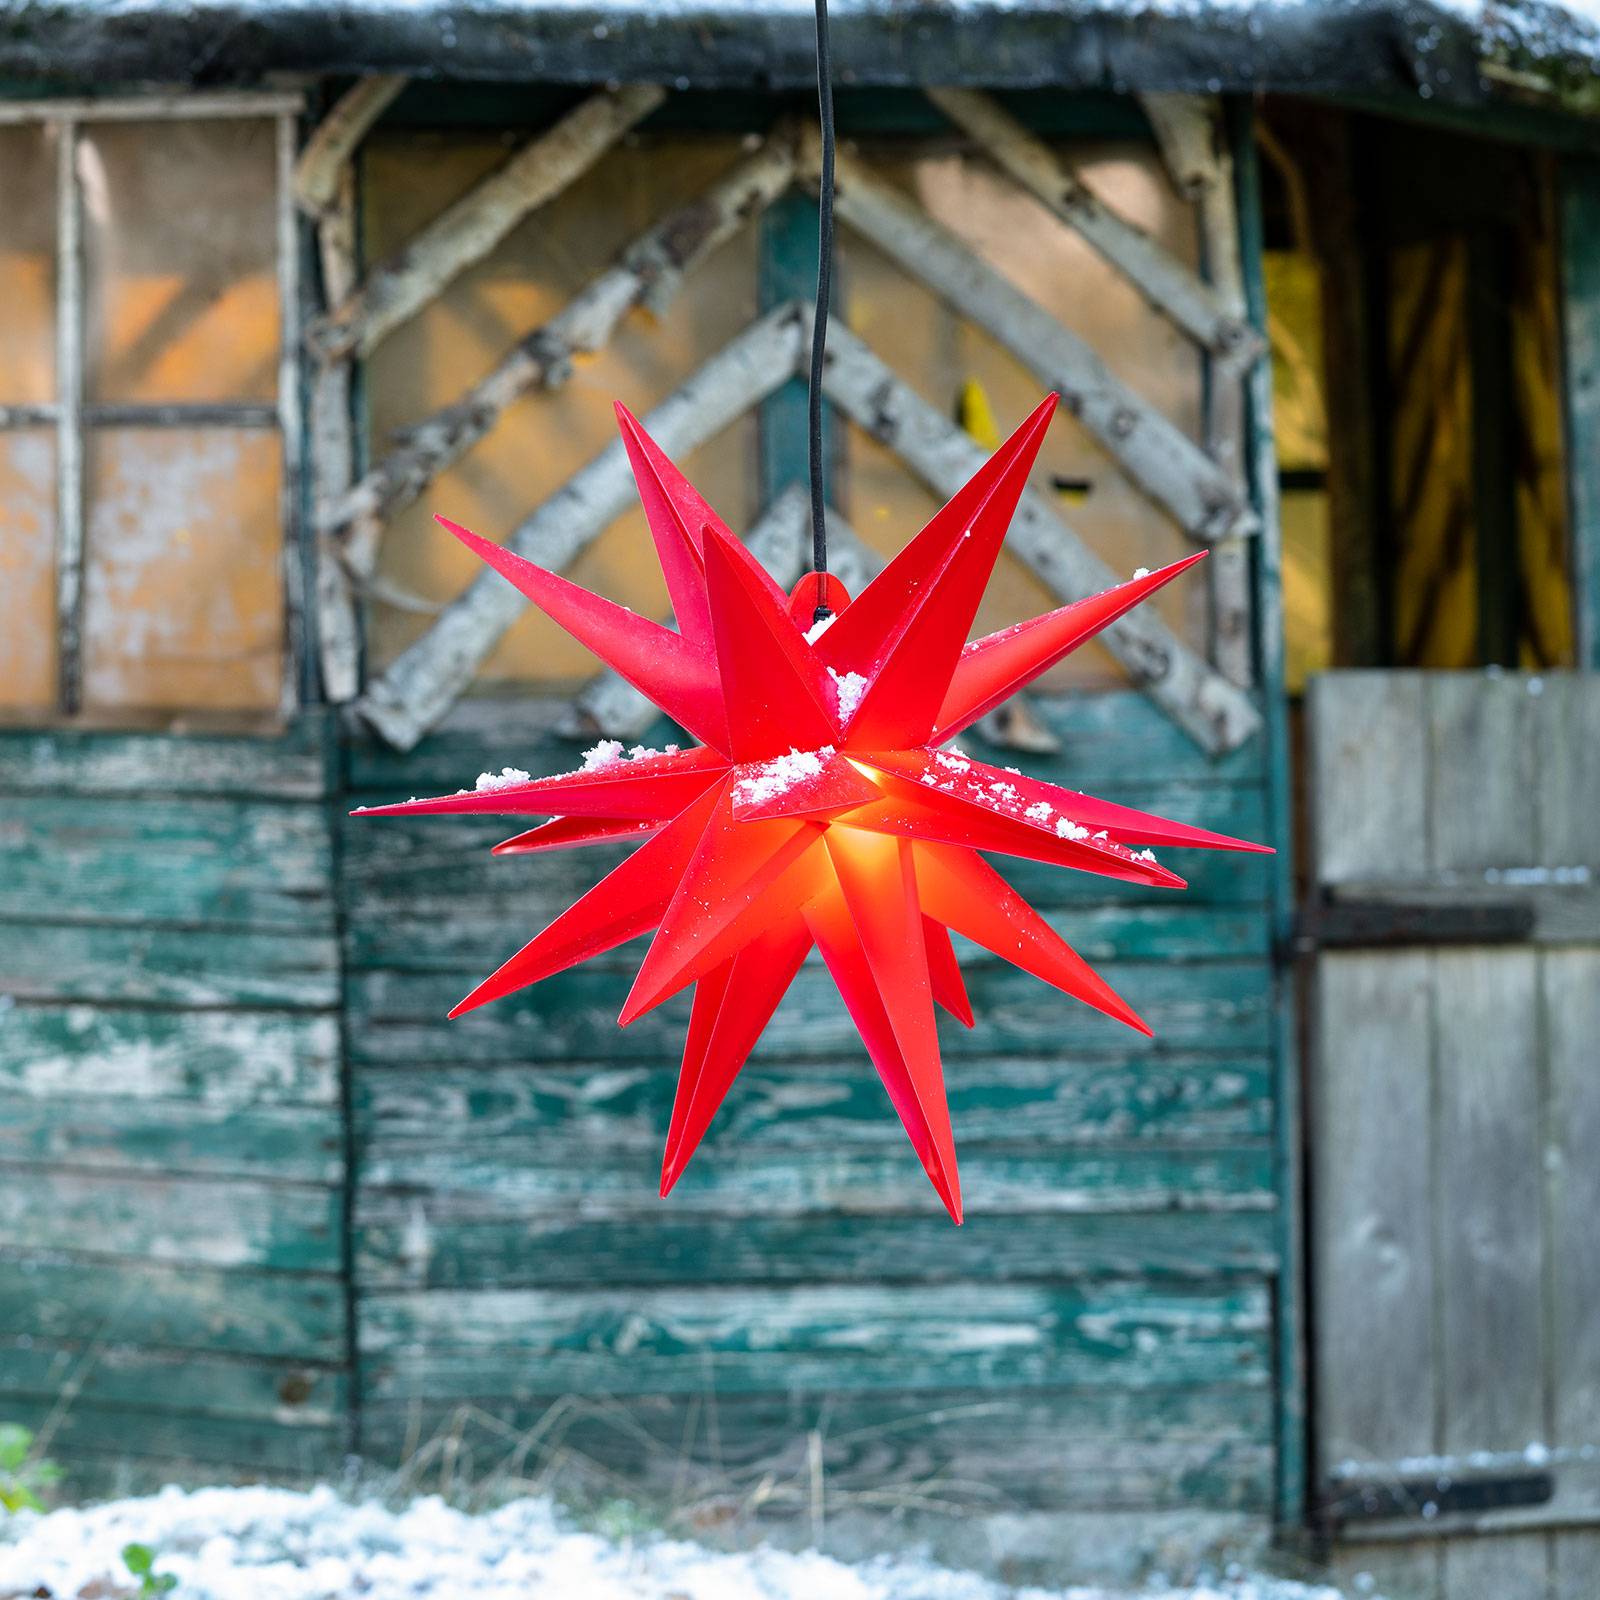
(1213, 711)
(649, 272)
(1158, 457)
(318, 172)
(1167, 283)
(465, 232)
(422, 684)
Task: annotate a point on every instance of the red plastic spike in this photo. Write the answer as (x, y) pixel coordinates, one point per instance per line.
(964, 892)
(774, 685)
(562, 833)
(675, 673)
(944, 973)
(758, 978)
(676, 535)
(648, 787)
(807, 783)
(880, 893)
(630, 900)
(903, 698)
(993, 668)
(1013, 794)
(880, 611)
(915, 811)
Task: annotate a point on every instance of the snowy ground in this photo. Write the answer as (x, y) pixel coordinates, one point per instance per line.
(277, 1544)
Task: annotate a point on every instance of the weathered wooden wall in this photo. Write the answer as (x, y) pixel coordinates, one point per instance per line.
(171, 1139)
(1098, 1335)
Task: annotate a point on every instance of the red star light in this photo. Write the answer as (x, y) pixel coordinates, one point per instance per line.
(824, 805)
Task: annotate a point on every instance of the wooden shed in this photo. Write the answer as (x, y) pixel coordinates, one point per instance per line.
(1320, 288)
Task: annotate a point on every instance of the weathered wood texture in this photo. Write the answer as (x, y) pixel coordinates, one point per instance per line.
(1454, 1107)
(171, 1128)
(1098, 1334)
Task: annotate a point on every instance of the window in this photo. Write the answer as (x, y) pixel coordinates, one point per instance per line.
(147, 414)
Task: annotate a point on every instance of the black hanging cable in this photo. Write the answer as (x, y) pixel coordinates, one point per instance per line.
(819, 329)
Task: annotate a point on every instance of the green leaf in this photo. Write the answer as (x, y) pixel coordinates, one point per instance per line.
(166, 1583)
(15, 1443)
(138, 1559)
(19, 1497)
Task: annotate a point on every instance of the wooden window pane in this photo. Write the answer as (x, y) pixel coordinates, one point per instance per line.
(180, 250)
(28, 266)
(408, 178)
(183, 588)
(945, 357)
(27, 570)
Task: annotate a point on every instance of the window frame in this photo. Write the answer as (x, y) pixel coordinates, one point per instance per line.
(71, 416)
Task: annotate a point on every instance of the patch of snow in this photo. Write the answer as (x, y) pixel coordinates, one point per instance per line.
(1066, 828)
(1141, 572)
(605, 754)
(506, 778)
(1039, 811)
(817, 629)
(952, 761)
(282, 1544)
(850, 686)
(778, 776)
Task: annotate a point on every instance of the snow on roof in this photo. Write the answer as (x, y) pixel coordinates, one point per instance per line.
(1427, 48)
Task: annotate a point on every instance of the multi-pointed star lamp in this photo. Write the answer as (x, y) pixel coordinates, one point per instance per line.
(819, 807)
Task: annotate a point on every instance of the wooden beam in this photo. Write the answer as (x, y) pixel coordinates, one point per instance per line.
(1218, 715)
(1211, 318)
(333, 457)
(291, 441)
(1194, 146)
(69, 422)
(465, 232)
(320, 171)
(1159, 459)
(648, 272)
(423, 683)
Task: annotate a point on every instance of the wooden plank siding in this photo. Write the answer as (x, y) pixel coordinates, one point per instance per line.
(1098, 1335)
(172, 1135)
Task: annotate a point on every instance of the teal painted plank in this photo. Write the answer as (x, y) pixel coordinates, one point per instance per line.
(470, 931)
(223, 1310)
(443, 1344)
(170, 966)
(399, 1018)
(290, 1394)
(1119, 736)
(224, 1058)
(249, 864)
(983, 1451)
(433, 1242)
(174, 1139)
(536, 1177)
(189, 1221)
(55, 762)
(772, 1105)
(244, 1447)
(1580, 266)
